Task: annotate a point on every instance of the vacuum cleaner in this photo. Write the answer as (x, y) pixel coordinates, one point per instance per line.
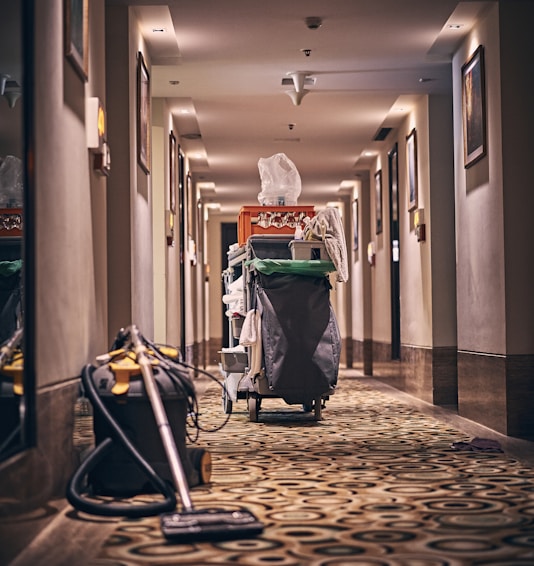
(11, 392)
(118, 467)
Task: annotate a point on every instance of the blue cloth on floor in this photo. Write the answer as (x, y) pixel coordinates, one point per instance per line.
(478, 445)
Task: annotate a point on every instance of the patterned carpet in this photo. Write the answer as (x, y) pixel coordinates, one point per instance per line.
(376, 482)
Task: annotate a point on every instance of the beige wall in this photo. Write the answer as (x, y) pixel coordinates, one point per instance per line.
(439, 218)
(70, 206)
(361, 279)
(479, 209)
(166, 258)
(415, 273)
(158, 227)
(517, 125)
(130, 245)
(427, 269)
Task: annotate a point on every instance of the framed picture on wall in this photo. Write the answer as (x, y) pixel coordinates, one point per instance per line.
(143, 114)
(356, 224)
(474, 108)
(411, 155)
(76, 35)
(393, 158)
(378, 201)
(172, 172)
(181, 187)
(190, 205)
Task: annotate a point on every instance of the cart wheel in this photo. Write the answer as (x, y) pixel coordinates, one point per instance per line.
(307, 407)
(318, 409)
(253, 409)
(227, 403)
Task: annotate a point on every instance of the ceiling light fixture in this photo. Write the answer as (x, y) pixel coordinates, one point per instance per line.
(10, 89)
(300, 92)
(314, 22)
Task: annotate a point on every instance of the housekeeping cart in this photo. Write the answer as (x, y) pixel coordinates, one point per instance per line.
(290, 335)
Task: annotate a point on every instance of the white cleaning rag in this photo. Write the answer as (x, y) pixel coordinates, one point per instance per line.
(326, 225)
(251, 336)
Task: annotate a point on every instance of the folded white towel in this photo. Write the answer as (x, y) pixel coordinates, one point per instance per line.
(248, 335)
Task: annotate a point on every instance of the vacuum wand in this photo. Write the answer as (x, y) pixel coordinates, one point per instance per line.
(173, 456)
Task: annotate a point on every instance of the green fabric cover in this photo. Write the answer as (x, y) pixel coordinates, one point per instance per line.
(310, 267)
(8, 268)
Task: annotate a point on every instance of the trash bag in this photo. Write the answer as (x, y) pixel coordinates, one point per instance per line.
(300, 336)
(280, 181)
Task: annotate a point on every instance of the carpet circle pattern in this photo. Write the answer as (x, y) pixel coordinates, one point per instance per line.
(375, 483)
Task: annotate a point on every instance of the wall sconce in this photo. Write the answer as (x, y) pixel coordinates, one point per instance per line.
(95, 133)
(102, 160)
(371, 254)
(169, 227)
(419, 224)
(95, 123)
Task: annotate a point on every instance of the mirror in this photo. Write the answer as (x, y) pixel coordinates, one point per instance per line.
(13, 181)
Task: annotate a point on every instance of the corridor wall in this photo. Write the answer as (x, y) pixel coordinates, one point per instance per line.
(493, 205)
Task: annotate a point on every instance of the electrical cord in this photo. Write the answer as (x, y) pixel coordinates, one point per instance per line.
(173, 367)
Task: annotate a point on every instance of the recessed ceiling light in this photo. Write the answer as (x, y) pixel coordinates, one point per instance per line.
(185, 111)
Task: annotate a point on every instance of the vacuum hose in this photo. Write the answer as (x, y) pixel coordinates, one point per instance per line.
(76, 484)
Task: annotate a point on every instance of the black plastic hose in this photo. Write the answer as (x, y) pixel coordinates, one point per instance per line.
(76, 484)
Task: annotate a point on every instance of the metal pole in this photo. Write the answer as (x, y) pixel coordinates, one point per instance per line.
(173, 456)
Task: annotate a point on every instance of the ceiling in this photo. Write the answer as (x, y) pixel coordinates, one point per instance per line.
(221, 67)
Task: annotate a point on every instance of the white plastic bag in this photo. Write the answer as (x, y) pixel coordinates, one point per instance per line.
(280, 181)
(11, 184)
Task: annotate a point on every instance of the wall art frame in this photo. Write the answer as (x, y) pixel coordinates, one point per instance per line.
(474, 107)
(411, 158)
(190, 205)
(143, 114)
(76, 35)
(173, 176)
(378, 201)
(355, 225)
